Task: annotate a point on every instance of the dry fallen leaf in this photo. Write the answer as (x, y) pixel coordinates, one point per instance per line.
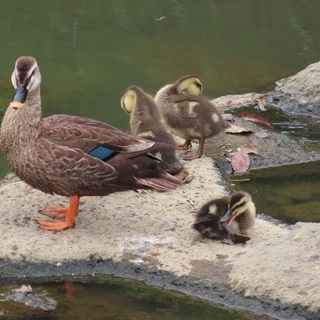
(23, 289)
(240, 162)
(237, 129)
(255, 119)
(249, 148)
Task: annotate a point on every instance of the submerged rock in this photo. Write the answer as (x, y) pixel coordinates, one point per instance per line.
(41, 301)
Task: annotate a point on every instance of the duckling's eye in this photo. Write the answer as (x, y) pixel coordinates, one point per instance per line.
(198, 85)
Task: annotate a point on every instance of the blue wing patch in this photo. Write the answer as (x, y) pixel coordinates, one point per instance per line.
(102, 153)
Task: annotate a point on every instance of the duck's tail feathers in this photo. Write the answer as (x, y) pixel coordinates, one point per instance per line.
(163, 183)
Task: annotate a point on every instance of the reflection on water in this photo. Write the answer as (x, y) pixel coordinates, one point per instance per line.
(289, 193)
(114, 300)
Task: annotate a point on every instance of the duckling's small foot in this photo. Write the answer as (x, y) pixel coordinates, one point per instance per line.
(55, 225)
(235, 237)
(191, 156)
(54, 211)
(186, 145)
(198, 154)
(239, 238)
(184, 176)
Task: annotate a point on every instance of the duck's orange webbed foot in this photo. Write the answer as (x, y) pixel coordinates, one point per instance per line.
(54, 225)
(54, 211)
(59, 212)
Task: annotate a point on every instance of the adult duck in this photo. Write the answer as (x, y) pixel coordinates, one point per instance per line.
(189, 115)
(146, 121)
(227, 216)
(69, 155)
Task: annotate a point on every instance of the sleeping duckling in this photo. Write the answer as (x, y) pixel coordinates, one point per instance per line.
(188, 115)
(146, 121)
(227, 216)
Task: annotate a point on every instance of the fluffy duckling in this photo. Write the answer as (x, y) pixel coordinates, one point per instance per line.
(189, 115)
(225, 216)
(146, 121)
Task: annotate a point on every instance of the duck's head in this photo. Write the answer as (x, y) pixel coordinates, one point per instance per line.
(240, 202)
(25, 78)
(189, 85)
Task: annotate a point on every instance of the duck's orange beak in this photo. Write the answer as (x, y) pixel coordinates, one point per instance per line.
(20, 97)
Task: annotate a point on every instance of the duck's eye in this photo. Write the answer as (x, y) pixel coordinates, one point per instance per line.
(28, 81)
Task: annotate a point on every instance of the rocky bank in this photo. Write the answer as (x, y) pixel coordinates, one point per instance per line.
(149, 237)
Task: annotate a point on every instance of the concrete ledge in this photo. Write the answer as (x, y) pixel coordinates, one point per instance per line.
(149, 237)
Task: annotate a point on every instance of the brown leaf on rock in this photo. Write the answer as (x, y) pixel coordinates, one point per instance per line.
(240, 162)
(237, 129)
(249, 148)
(255, 119)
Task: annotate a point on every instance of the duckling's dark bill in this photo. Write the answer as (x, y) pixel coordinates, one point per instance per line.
(227, 218)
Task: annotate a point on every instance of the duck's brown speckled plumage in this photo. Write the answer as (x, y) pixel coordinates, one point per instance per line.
(50, 154)
(146, 121)
(226, 216)
(189, 115)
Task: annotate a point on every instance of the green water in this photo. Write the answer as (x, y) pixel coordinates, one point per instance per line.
(90, 51)
(288, 193)
(113, 300)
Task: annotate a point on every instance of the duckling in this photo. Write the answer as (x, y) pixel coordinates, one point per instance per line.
(146, 121)
(189, 115)
(225, 216)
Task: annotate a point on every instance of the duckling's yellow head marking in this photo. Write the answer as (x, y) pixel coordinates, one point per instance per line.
(128, 101)
(189, 85)
(240, 202)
